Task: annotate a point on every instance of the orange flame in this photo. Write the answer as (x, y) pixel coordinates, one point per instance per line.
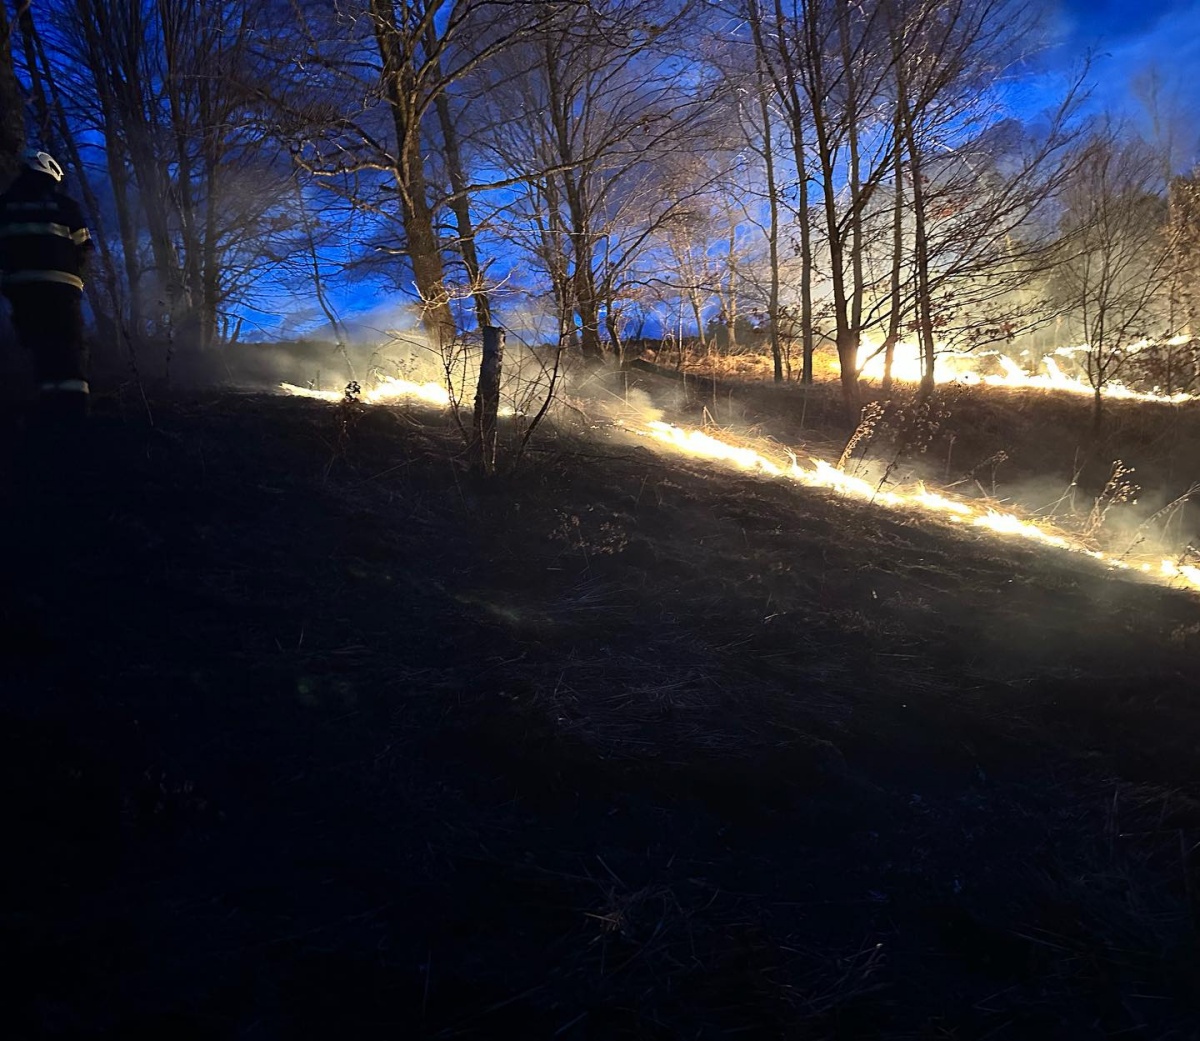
(961, 367)
(388, 389)
(820, 474)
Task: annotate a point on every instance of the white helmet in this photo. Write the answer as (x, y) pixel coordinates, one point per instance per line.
(42, 162)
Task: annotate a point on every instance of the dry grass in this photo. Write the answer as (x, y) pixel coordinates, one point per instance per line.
(748, 759)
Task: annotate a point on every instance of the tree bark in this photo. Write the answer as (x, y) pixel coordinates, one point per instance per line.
(806, 262)
(923, 303)
(460, 203)
(773, 229)
(424, 251)
(583, 279)
(846, 336)
(893, 333)
(487, 400)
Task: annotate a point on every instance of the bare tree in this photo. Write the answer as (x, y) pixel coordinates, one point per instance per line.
(828, 64)
(1116, 253)
(980, 186)
(198, 191)
(588, 116)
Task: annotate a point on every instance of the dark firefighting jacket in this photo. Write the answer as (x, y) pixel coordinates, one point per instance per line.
(43, 237)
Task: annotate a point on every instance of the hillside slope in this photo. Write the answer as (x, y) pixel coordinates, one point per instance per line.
(307, 733)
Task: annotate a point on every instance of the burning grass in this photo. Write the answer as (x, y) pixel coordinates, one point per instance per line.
(725, 755)
(720, 446)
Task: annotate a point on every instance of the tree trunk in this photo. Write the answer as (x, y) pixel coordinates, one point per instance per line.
(729, 305)
(857, 288)
(612, 326)
(773, 230)
(847, 348)
(846, 335)
(924, 301)
(893, 333)
(789, 89)
(806, 267)
(487, 400)
(186, 320)
(424, 251)
(460, 204)
(41, 102)
(583, 279)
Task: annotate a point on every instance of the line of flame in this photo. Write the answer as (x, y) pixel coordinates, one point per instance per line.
(820, 474)
(387, 390)
(823, 475)
(961, 367)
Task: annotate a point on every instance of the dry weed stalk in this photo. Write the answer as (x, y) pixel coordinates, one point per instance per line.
(1166, 514)
(864, 433)
(1119, 489)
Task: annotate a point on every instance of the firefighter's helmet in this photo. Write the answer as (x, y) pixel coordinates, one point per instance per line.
(42, 162)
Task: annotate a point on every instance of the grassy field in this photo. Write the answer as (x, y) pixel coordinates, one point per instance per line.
(308, 733)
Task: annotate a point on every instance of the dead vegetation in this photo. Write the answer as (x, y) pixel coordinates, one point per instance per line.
(315, 732)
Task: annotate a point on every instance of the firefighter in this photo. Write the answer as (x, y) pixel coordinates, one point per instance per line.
(43, 246)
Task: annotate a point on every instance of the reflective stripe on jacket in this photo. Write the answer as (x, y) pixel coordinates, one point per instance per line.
(42, 235)
(17, 278)
(61, 230)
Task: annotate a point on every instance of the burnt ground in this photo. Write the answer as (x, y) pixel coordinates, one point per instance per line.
(306, 733)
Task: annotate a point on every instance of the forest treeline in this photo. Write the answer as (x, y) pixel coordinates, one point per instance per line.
(815, 172)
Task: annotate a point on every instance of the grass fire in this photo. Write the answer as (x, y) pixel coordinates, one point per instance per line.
(676, 722)
(819, 473)
(619, 520)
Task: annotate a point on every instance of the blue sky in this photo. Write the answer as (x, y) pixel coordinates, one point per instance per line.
(1128, 37)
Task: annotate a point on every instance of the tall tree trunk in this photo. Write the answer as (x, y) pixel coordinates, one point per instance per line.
(893, 333)
(846, 335)
(857, 287)
(460, 203)
(552, 234)
(424, 251)
(730, 302)
(583, 279)
(796, 109)
(187, 322)
(47, 137)
(806, 261)
(773, 229)
(94, 29)
(923, 302)
(612, 324)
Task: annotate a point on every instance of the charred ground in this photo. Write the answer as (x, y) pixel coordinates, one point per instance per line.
(306, 733)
